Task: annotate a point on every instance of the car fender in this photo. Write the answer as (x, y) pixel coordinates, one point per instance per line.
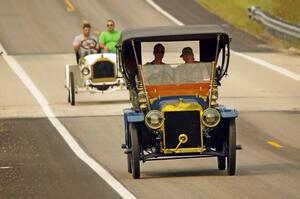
(228, 113)
(131, 116)
(76, 72)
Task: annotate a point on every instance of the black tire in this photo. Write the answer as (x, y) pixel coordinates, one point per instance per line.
(69, 97)
(231, 148)
(72, 89)
(135, 151)
(221, 162)
(129, 155)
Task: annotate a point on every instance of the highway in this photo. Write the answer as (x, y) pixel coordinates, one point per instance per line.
(37, 162)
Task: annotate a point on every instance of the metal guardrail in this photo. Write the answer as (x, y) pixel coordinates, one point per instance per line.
(274, 23)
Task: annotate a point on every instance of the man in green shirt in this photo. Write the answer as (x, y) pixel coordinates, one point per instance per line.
(108, 39)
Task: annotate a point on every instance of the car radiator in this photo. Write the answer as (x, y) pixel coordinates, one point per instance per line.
(182, 122)
(103, 69)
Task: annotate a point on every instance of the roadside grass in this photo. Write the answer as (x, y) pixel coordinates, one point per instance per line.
(288, 10)
(235, 12)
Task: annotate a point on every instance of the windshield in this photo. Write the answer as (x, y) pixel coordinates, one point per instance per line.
(176, 73)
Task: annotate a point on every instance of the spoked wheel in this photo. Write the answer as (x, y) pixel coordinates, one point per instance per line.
(71, 97)
(135, 151)
(231, 148)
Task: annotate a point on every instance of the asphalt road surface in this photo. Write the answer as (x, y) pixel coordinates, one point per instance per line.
(36, 162)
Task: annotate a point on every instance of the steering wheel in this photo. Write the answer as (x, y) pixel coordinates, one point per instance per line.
(86, 43)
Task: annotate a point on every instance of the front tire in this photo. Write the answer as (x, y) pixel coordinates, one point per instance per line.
(221, 160)
(135, 151)
(129, 155)
(231, 153)
(72, 89)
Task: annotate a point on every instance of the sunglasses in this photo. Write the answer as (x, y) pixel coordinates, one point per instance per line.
(108, 25)
(159, 51)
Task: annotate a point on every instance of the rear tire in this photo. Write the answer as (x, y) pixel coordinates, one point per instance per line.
(72, 89)
(231, 153)
(135, 151)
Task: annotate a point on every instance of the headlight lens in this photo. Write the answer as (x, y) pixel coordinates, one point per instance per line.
(85, 71)
(211, 117)
(154, 119)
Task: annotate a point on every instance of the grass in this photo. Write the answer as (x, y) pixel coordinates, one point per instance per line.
(287, 10)
(235, 12)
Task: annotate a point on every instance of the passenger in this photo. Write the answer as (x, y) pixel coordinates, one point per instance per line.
(108, 39)
(194, 72)
(85, 36)
(158, 52)
(188, 55)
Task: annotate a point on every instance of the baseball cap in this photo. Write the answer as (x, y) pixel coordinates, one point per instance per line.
(187, 51)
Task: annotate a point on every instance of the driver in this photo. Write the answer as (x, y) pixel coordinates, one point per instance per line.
(158, 52)
(84, 42)
(159, 74)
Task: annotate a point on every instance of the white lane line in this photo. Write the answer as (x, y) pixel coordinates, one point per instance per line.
(105, 175)
(261, 62)
(162, 11)
(268, 65)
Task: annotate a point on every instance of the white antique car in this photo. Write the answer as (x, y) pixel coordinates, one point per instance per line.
(94, 73)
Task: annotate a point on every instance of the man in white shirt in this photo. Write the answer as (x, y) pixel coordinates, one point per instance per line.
(85, 43)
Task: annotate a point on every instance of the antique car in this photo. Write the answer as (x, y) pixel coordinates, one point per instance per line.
(175, 114)
(95, 72)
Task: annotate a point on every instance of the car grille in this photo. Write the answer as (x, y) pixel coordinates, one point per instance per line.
(182, 122)
(103, 69)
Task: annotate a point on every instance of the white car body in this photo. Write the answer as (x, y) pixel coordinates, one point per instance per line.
(84, 74)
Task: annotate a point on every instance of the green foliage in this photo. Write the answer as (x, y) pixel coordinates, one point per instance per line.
(287, 9)
(235, 12)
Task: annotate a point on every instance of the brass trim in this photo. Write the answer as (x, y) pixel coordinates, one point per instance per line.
(183, 150)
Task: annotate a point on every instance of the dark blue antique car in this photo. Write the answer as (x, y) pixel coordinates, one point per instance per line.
(175, 113)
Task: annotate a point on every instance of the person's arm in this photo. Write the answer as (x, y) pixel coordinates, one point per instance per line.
(76, 43)
(94, 45)
(102, 46)
(102, 42)
(76, 47)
